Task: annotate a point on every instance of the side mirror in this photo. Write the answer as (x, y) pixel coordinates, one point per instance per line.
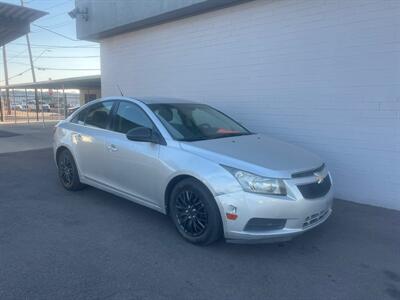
(143, 134)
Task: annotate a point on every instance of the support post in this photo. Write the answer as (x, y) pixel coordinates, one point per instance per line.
(1, 106)
(41, 100)
(26, 104)
(65, 104)
(7, 102)
(58, 104)
(15, 106)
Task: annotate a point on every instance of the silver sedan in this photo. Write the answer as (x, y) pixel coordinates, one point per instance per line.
(211, 175)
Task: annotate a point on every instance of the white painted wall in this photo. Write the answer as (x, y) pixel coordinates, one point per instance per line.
(321, 74)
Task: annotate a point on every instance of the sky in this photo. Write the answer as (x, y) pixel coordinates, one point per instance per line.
(49, 50)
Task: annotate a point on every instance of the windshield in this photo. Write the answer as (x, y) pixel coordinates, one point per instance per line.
(193, 122)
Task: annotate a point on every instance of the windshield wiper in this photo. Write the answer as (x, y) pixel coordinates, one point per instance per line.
(215, 137)
(231, 135)
(195, 139)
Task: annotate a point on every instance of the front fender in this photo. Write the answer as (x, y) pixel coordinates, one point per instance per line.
(179, 162)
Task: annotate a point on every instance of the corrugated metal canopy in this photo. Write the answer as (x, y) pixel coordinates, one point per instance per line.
(15, 21)
(75, 83)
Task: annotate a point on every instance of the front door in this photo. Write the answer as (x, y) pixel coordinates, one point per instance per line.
(132, 167)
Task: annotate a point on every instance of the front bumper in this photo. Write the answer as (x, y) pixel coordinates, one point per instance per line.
(300, 214)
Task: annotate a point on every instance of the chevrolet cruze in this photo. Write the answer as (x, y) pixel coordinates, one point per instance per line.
(211, 175)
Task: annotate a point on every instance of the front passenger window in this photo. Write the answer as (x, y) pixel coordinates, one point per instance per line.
(130, 116)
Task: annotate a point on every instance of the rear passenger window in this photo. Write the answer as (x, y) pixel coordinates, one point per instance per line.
(99, 115)
(80, 117)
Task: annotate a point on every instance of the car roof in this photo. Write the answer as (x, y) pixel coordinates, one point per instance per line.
(161, 100)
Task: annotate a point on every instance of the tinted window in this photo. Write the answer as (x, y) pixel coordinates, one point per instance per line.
(98, 114)
(80, 117)
(129, 116)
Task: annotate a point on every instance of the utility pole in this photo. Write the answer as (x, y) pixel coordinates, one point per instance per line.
(7, 102)
(28, 42)
(33, 76)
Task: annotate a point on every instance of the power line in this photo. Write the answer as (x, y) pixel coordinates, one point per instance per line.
(18, 63)
(57, 25)
(17, 55)
(49, 69)
(58, 46)
(19, 74)
(57, 33)
(23, 72)
(77, 57)
(53, 16)
(56, 5)
(61, 69)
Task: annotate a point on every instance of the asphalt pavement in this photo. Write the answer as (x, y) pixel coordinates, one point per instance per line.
(23, 137)
(56, 244)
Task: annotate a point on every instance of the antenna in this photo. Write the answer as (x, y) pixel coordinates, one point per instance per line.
(122, 94)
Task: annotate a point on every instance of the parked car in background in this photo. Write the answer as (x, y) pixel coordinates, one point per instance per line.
(72, 109)
(18, 107)
(22, 107)
(42, 106)
(31, 106)
(211, 175)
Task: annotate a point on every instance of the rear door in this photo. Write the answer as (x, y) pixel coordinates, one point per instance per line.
(90, 138)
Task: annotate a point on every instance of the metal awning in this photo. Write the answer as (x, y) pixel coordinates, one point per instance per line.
(15, 21)
(74, 83)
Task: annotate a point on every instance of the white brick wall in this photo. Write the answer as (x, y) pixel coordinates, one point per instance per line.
(321, 74)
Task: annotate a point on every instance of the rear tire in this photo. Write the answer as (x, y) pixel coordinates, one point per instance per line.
(194, 212)
(68, 172)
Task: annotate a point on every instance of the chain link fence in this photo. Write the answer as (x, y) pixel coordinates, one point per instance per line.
(25, 106)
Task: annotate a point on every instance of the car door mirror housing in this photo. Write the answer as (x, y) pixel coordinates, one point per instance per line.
(143, 134)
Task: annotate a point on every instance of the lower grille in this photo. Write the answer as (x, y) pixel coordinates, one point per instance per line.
(310, 220)
(261, 224)
(315, 189)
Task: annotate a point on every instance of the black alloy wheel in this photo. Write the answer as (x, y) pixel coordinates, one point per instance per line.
(194, 212)
(191, 213)
(67, 171)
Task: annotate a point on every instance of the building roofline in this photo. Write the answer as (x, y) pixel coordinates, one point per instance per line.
(92, 81)
(15, 21)
(149, 21)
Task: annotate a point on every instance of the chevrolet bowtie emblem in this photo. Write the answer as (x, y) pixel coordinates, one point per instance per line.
(319, 177)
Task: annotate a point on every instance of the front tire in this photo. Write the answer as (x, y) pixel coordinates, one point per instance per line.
(68, 172)
(194, 212)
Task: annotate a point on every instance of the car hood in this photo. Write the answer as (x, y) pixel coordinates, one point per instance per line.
(256, 153)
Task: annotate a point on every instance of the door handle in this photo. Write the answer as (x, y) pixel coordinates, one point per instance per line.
(112, 148)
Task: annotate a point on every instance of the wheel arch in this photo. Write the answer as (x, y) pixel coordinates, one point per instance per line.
(174, 181)
(59, 150)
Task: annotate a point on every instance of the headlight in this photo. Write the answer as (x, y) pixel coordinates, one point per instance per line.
(257, 184)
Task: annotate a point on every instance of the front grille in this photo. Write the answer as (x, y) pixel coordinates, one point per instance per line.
(315, 189)
(261, 224)
(310, 220)
(308, 173)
